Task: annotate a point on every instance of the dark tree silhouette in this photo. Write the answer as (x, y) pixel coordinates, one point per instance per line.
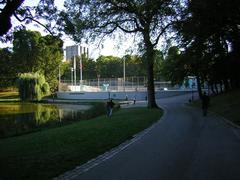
(8, 10)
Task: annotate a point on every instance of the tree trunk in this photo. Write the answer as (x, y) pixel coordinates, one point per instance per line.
(216, 88)
(151, 89)
(226, 85)
(199, 85)
(221, 86)
(212, 88)
(150, 59)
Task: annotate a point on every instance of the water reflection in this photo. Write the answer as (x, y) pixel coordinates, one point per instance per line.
(20, 118)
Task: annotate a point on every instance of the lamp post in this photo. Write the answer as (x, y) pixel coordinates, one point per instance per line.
(59, 77)
(98, 76)
(192, 92)
(74, 69)
(124, 74)
(193, 85)
(80, 68)
(72, 76)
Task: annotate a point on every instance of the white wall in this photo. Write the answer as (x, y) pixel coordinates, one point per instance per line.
(139, 95)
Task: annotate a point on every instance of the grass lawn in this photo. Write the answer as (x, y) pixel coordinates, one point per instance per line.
(49, 153)
(227, 105)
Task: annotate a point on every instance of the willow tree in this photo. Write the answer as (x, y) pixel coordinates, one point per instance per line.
(148, 19)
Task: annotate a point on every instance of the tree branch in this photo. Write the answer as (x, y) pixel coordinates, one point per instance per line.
(3, 2)
(32, 19)
(116, 25)
(126, 30)
(162, 32)
(6, 13)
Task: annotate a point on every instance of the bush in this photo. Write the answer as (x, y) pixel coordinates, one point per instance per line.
(45, 88)
(32, 87)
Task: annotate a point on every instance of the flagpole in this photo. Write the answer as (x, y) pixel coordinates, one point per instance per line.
(74, 69)
(80, 70)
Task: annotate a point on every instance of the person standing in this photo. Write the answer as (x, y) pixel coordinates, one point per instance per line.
(110, 105)
(205, 103)
(134, 100)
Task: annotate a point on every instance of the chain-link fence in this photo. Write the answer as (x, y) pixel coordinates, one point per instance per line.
(111, 84)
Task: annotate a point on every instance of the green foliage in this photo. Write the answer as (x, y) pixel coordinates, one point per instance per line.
(157, 63)
(32, 86)
(106, 67)
(109, 66)
(45, 88)
(50, 59)
(210, 36)
(35, 53)
(37, 93)
(7, 68)
(134, 66)
(173, 66)
(26, 50)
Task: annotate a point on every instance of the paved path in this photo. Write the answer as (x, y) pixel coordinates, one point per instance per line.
(182, 146)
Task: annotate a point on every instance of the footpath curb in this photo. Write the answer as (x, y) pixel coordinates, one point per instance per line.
(228, 121)
(235, 127)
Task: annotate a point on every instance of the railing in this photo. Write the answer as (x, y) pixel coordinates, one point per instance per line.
(111, 84)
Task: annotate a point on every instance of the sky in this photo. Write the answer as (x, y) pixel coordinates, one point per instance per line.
(107, 47)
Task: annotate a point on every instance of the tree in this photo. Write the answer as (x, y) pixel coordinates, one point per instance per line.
(88, 67)
(7, 69)
(35, 53)
(6, 12)
(133, 66)
(148, 19)
(174, 67)
(26, 50)
(65, 69)
(210, 35)
(157, 63)
(45, 10)
(109, 66)
(50, 58)
(32, 86)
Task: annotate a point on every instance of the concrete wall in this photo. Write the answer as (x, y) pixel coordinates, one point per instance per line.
(139, 95)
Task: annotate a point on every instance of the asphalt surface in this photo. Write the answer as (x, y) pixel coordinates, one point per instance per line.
(183, 145)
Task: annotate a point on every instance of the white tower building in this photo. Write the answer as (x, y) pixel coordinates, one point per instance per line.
(76, 50)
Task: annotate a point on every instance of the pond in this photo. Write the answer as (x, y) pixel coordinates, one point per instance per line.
(20, 118)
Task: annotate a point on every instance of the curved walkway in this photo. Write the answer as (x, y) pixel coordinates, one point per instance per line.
(183, 145)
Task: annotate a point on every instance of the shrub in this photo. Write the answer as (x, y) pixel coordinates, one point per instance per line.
(45, 88)
(32, 86)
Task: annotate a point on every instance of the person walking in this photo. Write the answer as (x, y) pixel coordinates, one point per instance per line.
(110, 105)
(205, 103)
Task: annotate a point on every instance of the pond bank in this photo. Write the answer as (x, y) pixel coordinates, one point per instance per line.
(17, 118)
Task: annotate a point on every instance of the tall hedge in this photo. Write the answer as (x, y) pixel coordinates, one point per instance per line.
(32, 86)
